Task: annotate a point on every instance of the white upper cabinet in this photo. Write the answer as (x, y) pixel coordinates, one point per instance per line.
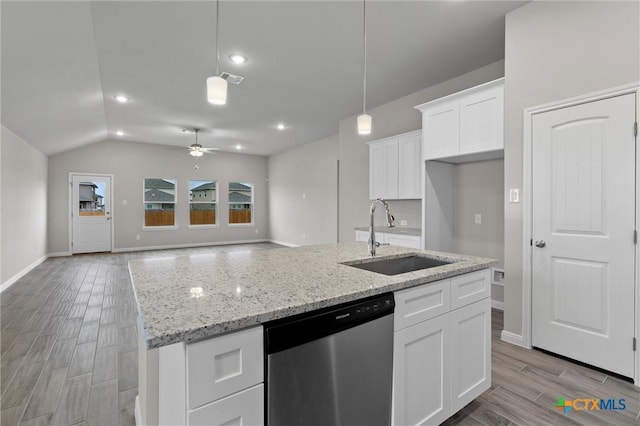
(443, 122)
(409, 171)
(465, 123)
(394, 167)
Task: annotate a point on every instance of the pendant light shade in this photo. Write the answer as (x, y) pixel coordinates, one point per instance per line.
(364, 124)
(217, 90)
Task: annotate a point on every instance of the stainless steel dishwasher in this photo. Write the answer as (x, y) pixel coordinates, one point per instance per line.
(332, 366)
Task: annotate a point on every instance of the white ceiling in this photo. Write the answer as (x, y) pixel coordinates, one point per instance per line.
(63, 62)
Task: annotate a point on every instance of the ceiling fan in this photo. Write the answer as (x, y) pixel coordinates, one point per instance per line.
(197, 150)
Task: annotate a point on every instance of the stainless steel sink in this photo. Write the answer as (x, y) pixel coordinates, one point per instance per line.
(398, 265)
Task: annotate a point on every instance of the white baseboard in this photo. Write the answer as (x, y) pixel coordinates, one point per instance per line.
(8, 283)
(496, 304)
(137, 413)
(60, 254)
(283, 243)
(189, 245)
(514, 339)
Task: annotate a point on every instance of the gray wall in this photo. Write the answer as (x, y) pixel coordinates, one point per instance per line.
(390, 119)
(478, 188)
(23, 220)
(303, 183)
(130, 163)
(554, 51)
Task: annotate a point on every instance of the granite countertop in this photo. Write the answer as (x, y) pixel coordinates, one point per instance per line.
(402, 230)
(192, 297)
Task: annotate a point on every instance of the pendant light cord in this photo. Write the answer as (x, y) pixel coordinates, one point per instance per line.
(217, 35)
(364, 64)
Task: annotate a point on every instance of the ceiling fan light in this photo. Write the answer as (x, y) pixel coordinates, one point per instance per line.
(364, 124)
(196, 153)
(217, 90)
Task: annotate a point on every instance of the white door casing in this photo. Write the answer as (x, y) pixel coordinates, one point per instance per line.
(91, 225)
(583, 220)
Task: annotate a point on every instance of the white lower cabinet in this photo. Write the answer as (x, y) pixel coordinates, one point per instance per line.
(471, 353)
(440, 363)
(214, 382)
(421, 385)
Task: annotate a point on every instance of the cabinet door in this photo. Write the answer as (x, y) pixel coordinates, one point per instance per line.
(470, 353)
(440, 130)
(408, 241)
(390, 169)
(421, 386)
(383, 169)
(482, 121)
(409, 170)
(377, 163)
(242, 408)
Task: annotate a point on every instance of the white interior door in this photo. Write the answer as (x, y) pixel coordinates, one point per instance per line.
(583, 232)
(91, 213)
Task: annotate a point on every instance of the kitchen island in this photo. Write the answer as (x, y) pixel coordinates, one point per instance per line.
(188, 301)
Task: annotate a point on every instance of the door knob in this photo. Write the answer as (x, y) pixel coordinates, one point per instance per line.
(540, 243)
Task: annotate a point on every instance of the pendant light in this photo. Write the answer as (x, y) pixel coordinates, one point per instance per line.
(364, 119)
(216, 85)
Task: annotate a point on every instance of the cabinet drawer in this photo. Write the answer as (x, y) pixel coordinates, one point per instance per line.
(418, 304)
(470, 288)
(243, 408)
(408, 241)
(224, 365)
(362, 236)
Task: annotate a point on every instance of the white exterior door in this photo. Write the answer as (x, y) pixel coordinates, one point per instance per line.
(583, 232)
(91, 213)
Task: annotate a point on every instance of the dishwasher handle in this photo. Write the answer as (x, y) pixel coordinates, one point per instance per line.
(296, 330)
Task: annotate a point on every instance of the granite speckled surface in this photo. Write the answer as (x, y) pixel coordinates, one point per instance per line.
(188, 298)
(402, 230)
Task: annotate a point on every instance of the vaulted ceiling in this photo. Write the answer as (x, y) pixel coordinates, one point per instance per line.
(63, 63)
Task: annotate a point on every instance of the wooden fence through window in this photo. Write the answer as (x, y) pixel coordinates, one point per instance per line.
(159, 218)
(240, 216)
(202, 217)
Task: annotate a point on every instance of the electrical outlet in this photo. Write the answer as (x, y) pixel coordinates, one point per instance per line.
(138, 237)
(303, 236)
(403, 223)
(514, 195)
(124, 202)
(478, 218)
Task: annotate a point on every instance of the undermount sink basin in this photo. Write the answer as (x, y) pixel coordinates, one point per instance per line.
(399, 265)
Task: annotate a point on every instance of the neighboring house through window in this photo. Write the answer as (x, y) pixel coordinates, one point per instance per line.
(240, 203)
(203, 199)
(159, 202)
(91, 200)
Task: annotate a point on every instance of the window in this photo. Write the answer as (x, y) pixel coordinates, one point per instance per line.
(240, 203)
(159, 202)
(203, 198)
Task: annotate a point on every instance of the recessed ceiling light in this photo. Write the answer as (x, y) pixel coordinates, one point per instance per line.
(121, 98)
(237, 58)
(120, 133)
(238, 147)
(280, 126)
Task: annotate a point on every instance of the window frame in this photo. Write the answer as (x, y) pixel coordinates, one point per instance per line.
(252, 203)
(175, 226)
(216, 203)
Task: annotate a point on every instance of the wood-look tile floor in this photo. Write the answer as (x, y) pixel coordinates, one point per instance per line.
(68, 340)
(526, 385)
(69, 356)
